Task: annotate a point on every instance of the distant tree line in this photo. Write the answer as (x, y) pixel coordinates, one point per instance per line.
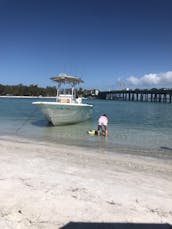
(34, 90)
(22, 90)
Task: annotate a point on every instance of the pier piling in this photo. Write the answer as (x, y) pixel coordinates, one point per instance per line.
(152, 95)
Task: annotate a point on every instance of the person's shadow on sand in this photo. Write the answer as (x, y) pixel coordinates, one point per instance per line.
(83, 225)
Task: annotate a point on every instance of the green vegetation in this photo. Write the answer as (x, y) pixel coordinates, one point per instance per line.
(22, 90)
(34, 90)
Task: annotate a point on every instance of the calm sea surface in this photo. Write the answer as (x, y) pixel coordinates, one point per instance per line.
(132, 125)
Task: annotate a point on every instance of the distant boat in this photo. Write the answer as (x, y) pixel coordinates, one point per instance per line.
(67, 109)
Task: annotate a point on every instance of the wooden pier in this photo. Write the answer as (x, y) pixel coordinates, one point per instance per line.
(153, 95)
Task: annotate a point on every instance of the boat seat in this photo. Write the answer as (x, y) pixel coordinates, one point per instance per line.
(64, 100)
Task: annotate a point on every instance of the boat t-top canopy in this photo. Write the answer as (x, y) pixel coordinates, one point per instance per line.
(66, 79)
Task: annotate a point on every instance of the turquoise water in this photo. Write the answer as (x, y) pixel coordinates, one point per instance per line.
(131, 124)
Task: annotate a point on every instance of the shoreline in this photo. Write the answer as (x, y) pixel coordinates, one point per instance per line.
(26, 97)
(46, 185)
(164, 153)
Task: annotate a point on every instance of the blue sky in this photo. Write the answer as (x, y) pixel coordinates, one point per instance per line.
(110, 44)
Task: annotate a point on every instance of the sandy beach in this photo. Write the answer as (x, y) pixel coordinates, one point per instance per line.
(47, 186)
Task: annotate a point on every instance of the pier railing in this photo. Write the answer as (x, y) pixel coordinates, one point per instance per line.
(152, 95)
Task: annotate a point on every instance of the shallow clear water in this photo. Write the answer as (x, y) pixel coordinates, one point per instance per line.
(131, 124)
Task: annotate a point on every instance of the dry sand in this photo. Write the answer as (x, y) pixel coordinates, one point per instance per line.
(46, 186)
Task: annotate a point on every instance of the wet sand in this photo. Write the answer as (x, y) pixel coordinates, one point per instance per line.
(46, 186)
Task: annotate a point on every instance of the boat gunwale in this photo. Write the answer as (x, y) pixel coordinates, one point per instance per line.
(59, 103)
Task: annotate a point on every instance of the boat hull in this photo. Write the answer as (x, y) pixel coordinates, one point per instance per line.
(64, 113)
